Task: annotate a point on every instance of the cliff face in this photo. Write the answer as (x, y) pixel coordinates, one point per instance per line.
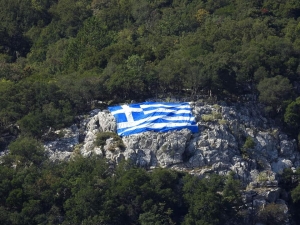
(232, 138)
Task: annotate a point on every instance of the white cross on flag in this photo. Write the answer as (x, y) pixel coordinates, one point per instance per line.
(153, 116)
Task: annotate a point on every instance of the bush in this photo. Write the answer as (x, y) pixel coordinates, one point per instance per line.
(103, 136)
(272, 214)
(249, 144)
(211, 117)
(207, 117)
(27, 150)
(223, 122)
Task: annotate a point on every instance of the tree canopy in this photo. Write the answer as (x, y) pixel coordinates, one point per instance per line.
(60, 57)
(87, 191)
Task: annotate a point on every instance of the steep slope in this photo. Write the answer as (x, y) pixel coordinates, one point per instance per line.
(234, 138)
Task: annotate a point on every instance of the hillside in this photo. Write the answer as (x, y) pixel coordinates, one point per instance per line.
(63, 62)
(248, 170)
(58, 58)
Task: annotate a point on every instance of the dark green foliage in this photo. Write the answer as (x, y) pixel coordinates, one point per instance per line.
(272, 214)
(62, 56)
(59, 58)
(103, 136)
(249, 144)
(296, 195)
(26, 151)
(273, 92)
(232, 189)
(204, 200)
(292, 114)
(287, 179)
(87, 191)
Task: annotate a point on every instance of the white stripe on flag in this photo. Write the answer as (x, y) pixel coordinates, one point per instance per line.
(158, 110)
(164, 106)
(123, 110)
(157, 126)
(123, 125)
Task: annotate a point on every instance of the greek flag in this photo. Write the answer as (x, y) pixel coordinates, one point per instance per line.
(153, 116)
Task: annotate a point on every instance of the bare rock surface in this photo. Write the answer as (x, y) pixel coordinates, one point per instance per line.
(62, 148)
(219, 147)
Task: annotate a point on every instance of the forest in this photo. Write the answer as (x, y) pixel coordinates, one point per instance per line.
(34, 190)
(61, 58)
(89, 191)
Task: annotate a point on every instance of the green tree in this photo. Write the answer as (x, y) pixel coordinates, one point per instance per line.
(274, 91)
(292, 114)
(15, 199)
(272, 214)
(69, 16)
(204, 203)
(232, 198)
(128, 80)
(4, 216)
(27, 151)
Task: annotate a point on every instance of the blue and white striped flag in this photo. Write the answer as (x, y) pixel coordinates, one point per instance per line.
(153, 116)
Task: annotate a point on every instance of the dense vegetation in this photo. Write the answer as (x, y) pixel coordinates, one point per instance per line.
(59, 58)
(92, 191)
(89, 191)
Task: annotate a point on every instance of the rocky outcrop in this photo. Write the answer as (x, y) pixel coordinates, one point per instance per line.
(160, 149)
(63, 147)
(219, 147)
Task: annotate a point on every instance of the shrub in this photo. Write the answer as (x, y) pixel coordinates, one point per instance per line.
(217, 107)
(272, 214)
(249, 144)
(262, 176)
(207, 117)
(223, 122)
(103, 136)
(211, 117)
(27, 150)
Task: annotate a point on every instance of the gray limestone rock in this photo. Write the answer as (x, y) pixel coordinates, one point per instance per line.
(271, 195)
(266, 145)
(62, 148)
(259, 203)
(160, 149)
(280, 164)
(217, 148)
(107, 122)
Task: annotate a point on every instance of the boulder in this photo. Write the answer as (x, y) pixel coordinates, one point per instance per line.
(107, 122)
(271, 195)
(280, 164)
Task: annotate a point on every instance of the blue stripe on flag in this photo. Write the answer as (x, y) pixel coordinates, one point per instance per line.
(192, 128)
(122, 118)
(153, 116)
